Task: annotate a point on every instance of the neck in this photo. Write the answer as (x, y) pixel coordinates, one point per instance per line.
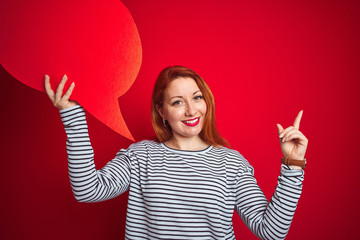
(195, 143)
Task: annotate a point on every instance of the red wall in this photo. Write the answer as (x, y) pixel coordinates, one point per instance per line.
(264, 60)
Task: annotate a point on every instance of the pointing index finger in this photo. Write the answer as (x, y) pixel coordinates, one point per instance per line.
(298, 119)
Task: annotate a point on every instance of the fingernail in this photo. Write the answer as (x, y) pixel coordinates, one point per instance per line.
(281, 135)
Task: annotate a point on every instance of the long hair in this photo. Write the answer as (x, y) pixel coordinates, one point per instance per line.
(209, 132)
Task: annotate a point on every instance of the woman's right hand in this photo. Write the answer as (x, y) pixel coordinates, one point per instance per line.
(58, 100)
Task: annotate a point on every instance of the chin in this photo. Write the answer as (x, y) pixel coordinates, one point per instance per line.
(194, 133)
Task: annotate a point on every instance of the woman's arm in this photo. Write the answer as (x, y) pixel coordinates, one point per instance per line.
(88, 184)
(272, 220)
(268, 220)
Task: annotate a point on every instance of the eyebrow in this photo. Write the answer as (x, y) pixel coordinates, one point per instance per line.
(182, 97)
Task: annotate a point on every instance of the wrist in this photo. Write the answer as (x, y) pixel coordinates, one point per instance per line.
(293, 167)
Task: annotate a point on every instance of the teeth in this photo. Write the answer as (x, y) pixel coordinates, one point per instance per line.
(192, 121)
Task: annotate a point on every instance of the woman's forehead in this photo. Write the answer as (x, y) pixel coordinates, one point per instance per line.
(182, 86)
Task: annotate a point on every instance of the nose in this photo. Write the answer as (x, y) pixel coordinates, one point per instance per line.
(190, 109)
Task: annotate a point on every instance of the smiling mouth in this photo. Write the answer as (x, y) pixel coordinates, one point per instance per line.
(192, 122)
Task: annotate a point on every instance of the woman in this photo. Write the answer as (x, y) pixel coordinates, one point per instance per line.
(187, 184)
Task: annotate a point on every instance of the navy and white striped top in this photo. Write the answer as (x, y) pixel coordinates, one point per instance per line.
(176, 194)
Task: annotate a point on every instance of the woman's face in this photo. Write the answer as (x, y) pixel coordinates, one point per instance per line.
(184, 107)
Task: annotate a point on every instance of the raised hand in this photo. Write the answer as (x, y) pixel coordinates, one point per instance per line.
(292, 142)
(58, 100)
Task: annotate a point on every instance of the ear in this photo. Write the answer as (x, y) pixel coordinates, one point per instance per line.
(160, 110)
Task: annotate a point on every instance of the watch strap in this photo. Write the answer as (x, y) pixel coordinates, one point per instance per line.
(293, 162)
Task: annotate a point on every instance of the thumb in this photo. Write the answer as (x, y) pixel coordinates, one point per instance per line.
(280, 128)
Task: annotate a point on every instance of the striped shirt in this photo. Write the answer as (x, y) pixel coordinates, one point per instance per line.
(177, 194)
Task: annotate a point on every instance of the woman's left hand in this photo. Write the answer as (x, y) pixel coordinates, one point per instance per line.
(292, 142)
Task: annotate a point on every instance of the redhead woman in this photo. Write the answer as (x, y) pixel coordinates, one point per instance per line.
(186, 184)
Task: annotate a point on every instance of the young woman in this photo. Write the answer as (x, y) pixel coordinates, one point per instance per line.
(187, 184)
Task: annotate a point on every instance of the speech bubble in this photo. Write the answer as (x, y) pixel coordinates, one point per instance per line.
(96, 43)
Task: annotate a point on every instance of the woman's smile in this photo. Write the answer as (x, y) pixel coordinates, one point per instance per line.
(192, 122)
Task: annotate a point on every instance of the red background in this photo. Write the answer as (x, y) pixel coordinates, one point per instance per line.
(264, 61)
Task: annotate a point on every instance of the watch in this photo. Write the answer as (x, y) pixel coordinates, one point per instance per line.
(294, 162)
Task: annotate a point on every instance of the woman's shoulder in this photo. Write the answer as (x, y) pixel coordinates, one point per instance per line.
(145, 145)
(232, 153)
(140, 149)
(233, 156)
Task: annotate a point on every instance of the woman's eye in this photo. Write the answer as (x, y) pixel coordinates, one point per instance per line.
(199, 97)
(176, 103)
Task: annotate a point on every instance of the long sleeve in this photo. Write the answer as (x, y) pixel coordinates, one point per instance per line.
(89, 184)
(269, 220)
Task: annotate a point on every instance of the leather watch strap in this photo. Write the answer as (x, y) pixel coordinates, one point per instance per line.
(293, 162)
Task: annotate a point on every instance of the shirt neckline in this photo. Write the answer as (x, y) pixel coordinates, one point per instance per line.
(193, 152)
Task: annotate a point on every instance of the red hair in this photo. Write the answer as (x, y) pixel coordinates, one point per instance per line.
(209, 132)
